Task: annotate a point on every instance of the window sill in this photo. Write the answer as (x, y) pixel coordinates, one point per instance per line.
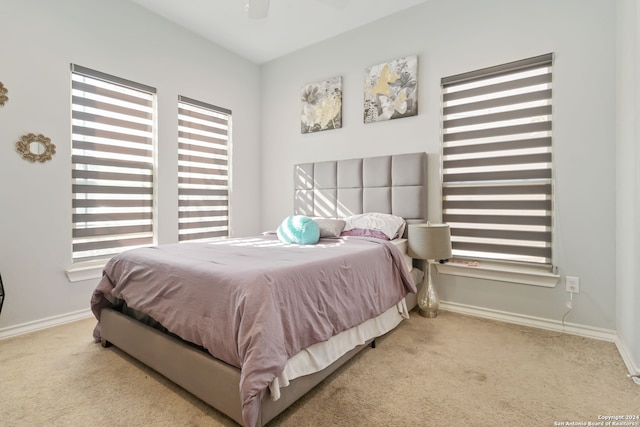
(500, 273)
(85, 270)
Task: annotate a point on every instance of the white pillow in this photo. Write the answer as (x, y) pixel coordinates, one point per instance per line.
(330, 227)
(391, 225)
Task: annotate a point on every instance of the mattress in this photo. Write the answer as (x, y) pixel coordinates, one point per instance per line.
(402, 244)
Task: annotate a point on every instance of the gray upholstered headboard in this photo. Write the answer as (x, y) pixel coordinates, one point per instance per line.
(395, 184)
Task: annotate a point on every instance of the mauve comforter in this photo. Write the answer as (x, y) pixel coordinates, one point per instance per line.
(254, 303)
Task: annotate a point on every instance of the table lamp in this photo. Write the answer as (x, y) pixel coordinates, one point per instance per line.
(429, 242)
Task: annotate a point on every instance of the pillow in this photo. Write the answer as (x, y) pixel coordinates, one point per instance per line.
(366, 233)
(391, 225)
(299, 229)
(330, 227)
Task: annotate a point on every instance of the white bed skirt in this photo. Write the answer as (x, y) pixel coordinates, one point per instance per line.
(318, 356)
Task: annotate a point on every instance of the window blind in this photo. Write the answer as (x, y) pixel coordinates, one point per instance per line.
(497, 162)
(113, 124)
(203, 170)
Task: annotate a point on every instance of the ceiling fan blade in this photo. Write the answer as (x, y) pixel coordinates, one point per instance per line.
(258, 9)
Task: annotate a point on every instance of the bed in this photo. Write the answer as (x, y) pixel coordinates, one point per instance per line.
(280, 313)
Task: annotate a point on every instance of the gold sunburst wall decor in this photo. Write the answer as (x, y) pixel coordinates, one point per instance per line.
(35, 148)
(3, 95)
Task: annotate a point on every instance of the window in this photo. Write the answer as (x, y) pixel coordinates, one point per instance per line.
(113, 125)
(203, 170)
(497, 165)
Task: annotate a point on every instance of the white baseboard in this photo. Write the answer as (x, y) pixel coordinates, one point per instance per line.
(503, 316)
(49, 322)
(536, 322)
(552, 325)
(628, 360)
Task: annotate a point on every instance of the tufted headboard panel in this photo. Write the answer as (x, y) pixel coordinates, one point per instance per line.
(395, 184)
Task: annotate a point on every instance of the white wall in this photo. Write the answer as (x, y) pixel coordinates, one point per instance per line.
(628, 189)
(456, 36)
(38, 41)
(40, 38)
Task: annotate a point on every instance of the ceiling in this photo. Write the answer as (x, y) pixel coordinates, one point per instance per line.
(290, 25)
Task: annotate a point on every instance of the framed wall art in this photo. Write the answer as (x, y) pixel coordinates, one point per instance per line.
(391, 90)
(321, 105)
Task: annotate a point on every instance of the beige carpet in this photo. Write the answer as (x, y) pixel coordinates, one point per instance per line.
(453, 370)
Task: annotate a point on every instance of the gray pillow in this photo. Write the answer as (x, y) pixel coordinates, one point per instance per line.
(330, 227)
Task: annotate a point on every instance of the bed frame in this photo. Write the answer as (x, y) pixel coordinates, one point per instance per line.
(395, 184)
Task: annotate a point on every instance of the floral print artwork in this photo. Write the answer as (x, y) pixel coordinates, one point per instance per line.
(391, 90)
(322, 105)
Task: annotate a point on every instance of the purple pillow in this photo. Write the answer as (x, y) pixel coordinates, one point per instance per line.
(365, 232)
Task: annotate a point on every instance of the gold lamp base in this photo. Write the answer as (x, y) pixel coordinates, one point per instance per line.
(429, 314)
(428, 301)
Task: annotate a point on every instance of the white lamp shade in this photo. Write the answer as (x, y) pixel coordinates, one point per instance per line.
(429, 241)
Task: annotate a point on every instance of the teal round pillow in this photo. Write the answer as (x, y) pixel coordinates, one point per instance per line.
(299, 229)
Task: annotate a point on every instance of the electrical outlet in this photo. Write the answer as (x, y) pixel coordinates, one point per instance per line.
(572, 284)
